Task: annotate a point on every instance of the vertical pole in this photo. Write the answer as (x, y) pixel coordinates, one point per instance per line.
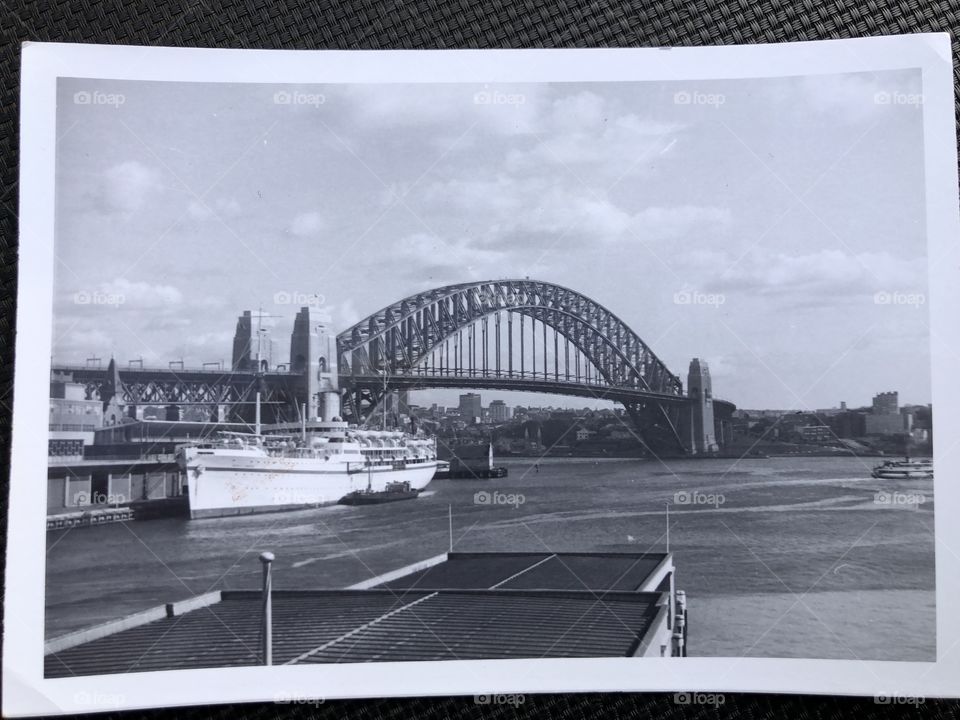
(544, 350)
(484, 344)
(267, 559)
(533, 346)
(257, 426)
(521, 346)
(510, 344)
(450, 521)
(668, 527)
(556, 355)
(496, 340)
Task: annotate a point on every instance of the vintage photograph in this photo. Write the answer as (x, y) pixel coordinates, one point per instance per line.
(359, 373)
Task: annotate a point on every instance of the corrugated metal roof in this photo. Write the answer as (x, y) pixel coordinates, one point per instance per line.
(226, 634)
(547, 571)
(473, 606)
(493, 624)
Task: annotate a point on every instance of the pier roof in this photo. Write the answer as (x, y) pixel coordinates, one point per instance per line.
(537, 570)
(536, 605)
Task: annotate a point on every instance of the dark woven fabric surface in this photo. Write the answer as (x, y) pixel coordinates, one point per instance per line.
(443, 24)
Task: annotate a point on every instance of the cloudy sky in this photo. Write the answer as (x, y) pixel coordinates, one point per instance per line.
(773, 227)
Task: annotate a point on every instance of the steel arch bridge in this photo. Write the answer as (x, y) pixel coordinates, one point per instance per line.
(486, 335)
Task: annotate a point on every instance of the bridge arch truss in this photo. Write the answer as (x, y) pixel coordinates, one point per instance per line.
(509, 334)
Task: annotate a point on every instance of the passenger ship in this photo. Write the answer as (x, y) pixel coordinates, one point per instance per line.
(280, 469)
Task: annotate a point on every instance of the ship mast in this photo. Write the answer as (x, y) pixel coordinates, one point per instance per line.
(258, 371)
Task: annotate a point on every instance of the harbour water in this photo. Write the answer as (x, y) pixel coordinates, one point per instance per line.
(780, 557)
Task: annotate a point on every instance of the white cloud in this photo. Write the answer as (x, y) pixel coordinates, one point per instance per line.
(203, 209)
(125, 187)
(498, 108)
(344, 315)
(822, 276)
(506, 209)
(306, 224)
(433, 261)
(678, 221)
(142, 295)
(585, 129)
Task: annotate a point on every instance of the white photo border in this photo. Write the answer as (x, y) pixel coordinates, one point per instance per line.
(27, 692)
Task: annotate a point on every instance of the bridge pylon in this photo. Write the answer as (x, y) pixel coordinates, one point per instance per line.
(696, 419)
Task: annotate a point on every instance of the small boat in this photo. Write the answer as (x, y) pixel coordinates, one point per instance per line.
(906, 469)
(392, 492)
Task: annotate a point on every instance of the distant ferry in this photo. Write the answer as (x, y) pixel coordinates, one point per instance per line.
(904, 470)
(240, 473)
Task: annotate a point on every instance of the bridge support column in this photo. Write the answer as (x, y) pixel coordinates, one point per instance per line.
(697, 417)
(313, 352)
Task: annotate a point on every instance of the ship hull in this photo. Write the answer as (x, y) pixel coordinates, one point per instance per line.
(902, 474)
(224, 486)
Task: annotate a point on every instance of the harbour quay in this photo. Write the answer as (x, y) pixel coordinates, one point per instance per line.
(125, 471)
(466, 606)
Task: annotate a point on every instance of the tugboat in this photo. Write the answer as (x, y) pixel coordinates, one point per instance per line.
(905, 469)
(393, 491)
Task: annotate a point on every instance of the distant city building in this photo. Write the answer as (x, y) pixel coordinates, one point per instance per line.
(499, 411)
(815, 433)
(849, 424)
(471, 407)
(584, 434)
(885, 417)
(886, 403)
(886, 424)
